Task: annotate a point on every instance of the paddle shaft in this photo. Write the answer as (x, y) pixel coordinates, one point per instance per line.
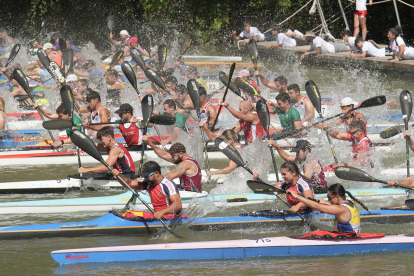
(141, 161)
(329, 140)
(273, 159)
(407, 148)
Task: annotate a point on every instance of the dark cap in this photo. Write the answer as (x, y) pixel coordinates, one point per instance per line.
(192, 70)
(124, 107)
(177, 148)
(301, 145)
(88, 64)
(181, 89)
(150, 167)
(171, 79)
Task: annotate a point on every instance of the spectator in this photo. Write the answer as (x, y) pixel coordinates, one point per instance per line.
(397, 45)
(367, 49)
(360, 18)
(318, 45)
(347, 37)
(252, 33)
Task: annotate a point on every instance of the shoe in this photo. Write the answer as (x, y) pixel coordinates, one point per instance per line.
(298, 34)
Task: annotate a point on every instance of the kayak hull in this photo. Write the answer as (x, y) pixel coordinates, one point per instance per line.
(233, 249)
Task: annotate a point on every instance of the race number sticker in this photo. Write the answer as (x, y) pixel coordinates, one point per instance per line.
(213, 86)
(324, 111)
(223, 145)
(261, 241)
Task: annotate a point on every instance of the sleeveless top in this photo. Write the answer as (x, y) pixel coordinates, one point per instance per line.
(252, 132)
(353, 120)
(318, 179)
(160, 194)
(191, 182)
(204, 117)
(132, 134)
(96, 118)
(353, 224)
(124, 164)
(300, 108)
(300, 186)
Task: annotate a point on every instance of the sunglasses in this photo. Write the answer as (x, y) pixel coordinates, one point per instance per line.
(344, 107)
(353, 132)
(148, 176)
(330, 197)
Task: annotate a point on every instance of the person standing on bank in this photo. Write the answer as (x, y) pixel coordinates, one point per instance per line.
(360, 18)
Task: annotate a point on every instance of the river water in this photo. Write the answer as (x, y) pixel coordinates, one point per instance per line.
(32, 257)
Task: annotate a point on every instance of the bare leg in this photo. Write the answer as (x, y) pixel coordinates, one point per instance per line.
(363, 21)
(356, 25)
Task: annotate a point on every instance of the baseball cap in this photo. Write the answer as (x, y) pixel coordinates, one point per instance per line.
(150, 167)
(177, 148)
(243, 73)
(301, 145)
(124, 32)
(47, 46)
(171, 79)
(124, 107)
(181, 89)
(348, 101)
(71, 77)
(88, 64)
(133, 39)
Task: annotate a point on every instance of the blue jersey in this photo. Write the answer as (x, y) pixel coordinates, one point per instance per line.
(353, 224)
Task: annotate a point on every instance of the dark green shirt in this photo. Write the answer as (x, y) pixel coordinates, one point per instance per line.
(288, 119)
(76, 120)
(179, 120)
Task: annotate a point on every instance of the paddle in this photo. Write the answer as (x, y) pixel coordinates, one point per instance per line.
(67, 62)
(13, 53)
(254, 55)
(264, 116)
(391, 132)
(315, 98)
(137, 58)
(410, 203)
(111, 24)
(22, 80)
(62, 44)
(406, 110)
(185, 46)
(162, 56)
(115, 59)
(87, 145)
(130, 75)
(55, 72)
(225, 93)
(195, 98)
(224, 78)
(146, 107)
(232, 153)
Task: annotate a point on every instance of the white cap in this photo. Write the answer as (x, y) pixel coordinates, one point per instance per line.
(71, 77)
(348, 101)
(124, 32)
(47, 46)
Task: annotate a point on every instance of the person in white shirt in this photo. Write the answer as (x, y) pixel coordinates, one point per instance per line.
(368, 49)
(360, 18)
(397, 45)
(318, 45)
(252, 33)
(347, 37)
(283, 39)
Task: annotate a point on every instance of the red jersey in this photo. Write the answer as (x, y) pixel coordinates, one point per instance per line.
(318, 179)
(160, 194)
(353, 120)
(252, 132)
(191, 182)
(249, 98)
(124, 164)
(363, 145)
(132, 134)
(300, 186)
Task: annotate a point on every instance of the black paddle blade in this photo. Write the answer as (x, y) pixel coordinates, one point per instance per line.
(186, 43)
(137, 58)
(62, 44)
(410, 203)
(374, 101)
(253, 52)
(57, 124)
(86, 144)
(13, 53)
(166, 120)
(147, 107)
(229, 151)
(246, 87)
(162, 56)
(224, 78)
(406, 106)
(263, 113)
(67, 62)
(260, 187)
(115, 59)
(194, 93)
(130, 75)
(154, 78)
(314, 95)
(67, 98)
(21, 79)
(390, 132)
(353, 174)
(284, 134)
(44, 59)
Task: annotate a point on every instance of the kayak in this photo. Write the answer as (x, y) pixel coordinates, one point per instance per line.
(234, 249)
(107, 203)
(113, 224)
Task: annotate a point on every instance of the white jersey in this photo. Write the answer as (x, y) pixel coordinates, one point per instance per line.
(351, 44)
(253, 32)
(326, 47)
(395, 48)
(361, 5)
(96, 118)
(285, 41)
(372, 51)
(300, 108)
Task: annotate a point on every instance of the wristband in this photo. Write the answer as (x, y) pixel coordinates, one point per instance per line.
(308, 53)
(62, 142)
(227, 106)
(305, 124)
(396, 58)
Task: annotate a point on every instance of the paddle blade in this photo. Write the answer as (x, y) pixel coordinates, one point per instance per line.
(246, 87)
(67, 99)
(166, 120)
(390, 132)
(353, 174)
(115, 59)
(130, 74)
(253, 52)
(57, 124)
(111, 22)
(406, 106)
(284, 134)
(263, 113)
(154, 78)
(374, 101)
(62, 44)
(192, 89)
(162, 56)
(260, 187)
(44, 59)
(147, 107)
(224, 78)
(137, 58)
(81, 140)
(229, 151)
(67, 62)
(13, 53)
(21, 79)
(186, 43)
(314, 95)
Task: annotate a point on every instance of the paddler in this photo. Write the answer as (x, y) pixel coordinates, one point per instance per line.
(289, 117)
(99, 113)
(118, 155)
(301, 103)
(133, 131)
(312, 168)
(187, 169)
(280, 82)
(208, 112)
(164, 194)
(407, 133)
(347, 219)
(93, 74)
(3, 115)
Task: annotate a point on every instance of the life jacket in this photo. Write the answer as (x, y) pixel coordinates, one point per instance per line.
(333, 235)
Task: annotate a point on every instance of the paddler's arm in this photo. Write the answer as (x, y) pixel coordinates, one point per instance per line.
(104, 114)
(178, 65)
(238, 114)
(47, 114)
(158, 151)
(409, 182)
(175, 206)
(310, 111)
(134, 184)
(265, 81)
(213, 114)
(407, 133)
(340, 135)
(111, 160)
(281, 152)
(209, 133)
(79, 73)
(300, 205)
(362, 118)
(231, 167)
(179, 170)
(2, 120)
